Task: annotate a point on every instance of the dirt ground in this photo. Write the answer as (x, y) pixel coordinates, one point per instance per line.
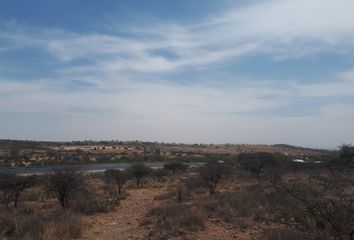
(127, 222)
(124, 223)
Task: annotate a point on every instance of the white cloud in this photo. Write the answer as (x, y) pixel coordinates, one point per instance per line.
(334, 88)
(281, 28)
(131, 75)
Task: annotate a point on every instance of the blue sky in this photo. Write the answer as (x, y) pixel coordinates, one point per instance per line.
(205, 71)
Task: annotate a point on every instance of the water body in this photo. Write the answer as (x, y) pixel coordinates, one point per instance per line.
(99, 167)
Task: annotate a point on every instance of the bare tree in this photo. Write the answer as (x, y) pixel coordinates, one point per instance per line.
(11, 187)
(6, 194)
(118, 177)
(63, 183)
(212, 173)
(326, 206)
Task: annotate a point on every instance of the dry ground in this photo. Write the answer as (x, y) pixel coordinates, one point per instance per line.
(129, 220)
(124, 223)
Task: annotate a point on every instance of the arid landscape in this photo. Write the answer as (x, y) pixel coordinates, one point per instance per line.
(177, 120)
(32, 153)
(249, 195)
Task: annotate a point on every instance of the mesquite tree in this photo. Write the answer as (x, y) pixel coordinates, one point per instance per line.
(63, 183)
(212, 173)
(117, 177)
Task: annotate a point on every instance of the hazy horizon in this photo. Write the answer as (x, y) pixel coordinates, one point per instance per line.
(162, 142)
(203, 71)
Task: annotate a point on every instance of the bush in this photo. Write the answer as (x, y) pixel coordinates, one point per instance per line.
(263, 163)
(12, 186)
(175, 166)
(284, 234)
(212, 173)
(139, 171)
(60, 226)
(175, 219)
(159, 174)
(35, 196)
(117, 178)
(63, 183)
(85, 202)
(194, 183)
(231, 206)
(67, 226)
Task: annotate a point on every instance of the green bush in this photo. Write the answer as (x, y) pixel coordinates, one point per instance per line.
(139, 171)
(175, 166)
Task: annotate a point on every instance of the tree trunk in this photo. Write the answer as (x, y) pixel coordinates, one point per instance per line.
(15, 201)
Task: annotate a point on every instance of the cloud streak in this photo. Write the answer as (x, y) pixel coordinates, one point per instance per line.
(143, 74)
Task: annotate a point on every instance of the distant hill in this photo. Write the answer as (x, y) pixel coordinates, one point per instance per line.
(18, 152)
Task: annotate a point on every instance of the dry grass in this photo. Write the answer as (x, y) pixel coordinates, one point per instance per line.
(31, 226)
(176, 219)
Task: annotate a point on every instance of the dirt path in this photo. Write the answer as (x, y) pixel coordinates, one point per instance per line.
(123, 223)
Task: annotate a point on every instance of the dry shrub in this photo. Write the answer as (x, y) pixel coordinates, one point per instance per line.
(175, 219)
(31, 226)
(165, 196)
(159, 175)
(66, 226)
(285, 234)
(194, 184)
(84, 201)
(230, 206)
(87, 201)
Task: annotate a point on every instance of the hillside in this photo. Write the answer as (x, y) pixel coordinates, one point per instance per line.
(28, 153)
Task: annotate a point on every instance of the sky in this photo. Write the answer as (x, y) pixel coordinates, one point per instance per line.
(201, 71)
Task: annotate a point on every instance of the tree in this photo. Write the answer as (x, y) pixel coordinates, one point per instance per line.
(63, 183)
(324, 208)
(159, 174)
(139, 171)
(212, 173)
(346, 153)
(257, 163)
(5, 188)
(175, 166)
(118, 177)
(11, 187)
(19, 184)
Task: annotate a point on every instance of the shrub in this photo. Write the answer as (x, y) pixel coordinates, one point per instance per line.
(230, 206)
(117, 177)
(175, 219)
(159, 174)
(139, 171)
(271, 164)
(35, 196)
(12, 186)
(67, 226)
(284, 234)
(194, 183)
(84, 201)
(325, 205)
(175, 166)
(212, 173)
(63, 183)
(60, 226)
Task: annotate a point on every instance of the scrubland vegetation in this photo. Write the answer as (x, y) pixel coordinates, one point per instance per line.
(35, 154)
(252, 196)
